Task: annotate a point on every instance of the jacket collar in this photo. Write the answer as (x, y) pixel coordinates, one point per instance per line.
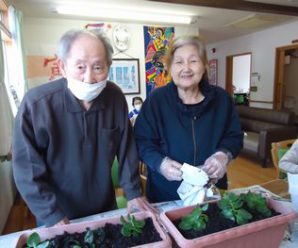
(207, 90)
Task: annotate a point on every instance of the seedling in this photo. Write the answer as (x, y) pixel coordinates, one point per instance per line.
(89, 236)
(197, 220)
(256, 202)
(131, 226)
(33, 241)
(231, 207)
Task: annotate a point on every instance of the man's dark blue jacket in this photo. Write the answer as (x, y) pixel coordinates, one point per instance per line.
(184, 133)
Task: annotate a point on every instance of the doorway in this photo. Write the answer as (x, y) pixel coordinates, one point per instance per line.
(286, 78)
(238, 76)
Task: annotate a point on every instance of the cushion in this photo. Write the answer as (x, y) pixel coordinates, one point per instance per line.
(121, 201)
(280, 153)
(115, 175)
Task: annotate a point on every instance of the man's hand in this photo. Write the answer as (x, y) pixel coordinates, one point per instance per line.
(216, 165)
(140, 204)
(64, 221)
(171, 169)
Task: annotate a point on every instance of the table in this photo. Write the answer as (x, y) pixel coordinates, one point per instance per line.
(279, 187)
(8, 241)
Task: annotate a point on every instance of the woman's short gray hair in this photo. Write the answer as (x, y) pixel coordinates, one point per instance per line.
(186, 40)
(69, 37)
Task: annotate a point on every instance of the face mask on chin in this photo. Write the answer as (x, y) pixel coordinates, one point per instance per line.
(85, 91)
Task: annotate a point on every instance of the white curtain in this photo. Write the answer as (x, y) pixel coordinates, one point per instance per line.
(6, 117)
(15, 25)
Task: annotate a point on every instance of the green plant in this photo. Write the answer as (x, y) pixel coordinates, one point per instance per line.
(131, 226)
(256, 202)
(33, 241)
(89, 236)
(231, 207)
(197, 220)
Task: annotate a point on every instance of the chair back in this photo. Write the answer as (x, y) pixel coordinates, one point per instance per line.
(278, 149)
(143, 175)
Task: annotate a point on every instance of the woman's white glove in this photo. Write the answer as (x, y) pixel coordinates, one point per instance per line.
(216, 165)
(171, 169)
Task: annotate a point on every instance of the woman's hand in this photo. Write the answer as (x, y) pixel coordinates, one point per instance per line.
(216, 165)
(171, 169)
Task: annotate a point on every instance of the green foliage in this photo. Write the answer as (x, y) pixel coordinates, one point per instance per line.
(33, 241)
(89, 236)
(256, 202)
(231, 207)
(197, 220)
(131, 226)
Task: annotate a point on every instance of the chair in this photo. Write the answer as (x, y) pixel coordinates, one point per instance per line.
(278, 149)
(120, 198)
(143, 175)
(264, 126)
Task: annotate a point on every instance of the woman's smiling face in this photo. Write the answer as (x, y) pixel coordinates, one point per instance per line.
(187, 68)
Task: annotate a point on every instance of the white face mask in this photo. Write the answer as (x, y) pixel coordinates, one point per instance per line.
(138, 107)
(85, 91)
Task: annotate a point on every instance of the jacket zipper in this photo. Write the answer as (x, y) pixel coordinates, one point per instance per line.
(194, 139)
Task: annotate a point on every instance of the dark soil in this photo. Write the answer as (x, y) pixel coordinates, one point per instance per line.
(108, 236)
(216, 222)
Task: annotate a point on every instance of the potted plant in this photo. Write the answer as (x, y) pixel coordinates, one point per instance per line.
(232, 221)
(137, 230)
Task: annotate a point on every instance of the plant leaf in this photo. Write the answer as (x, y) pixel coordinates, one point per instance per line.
(89, 237)
(33, 240)
(44, 244)
(243, 216)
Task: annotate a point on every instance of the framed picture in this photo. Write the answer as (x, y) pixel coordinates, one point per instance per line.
(213, 71)
(125, 73)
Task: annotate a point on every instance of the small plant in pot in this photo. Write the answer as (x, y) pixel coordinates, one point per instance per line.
(230, 222)
(130, 231)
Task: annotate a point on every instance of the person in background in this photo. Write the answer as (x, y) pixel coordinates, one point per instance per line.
(137, 105)
(186, 121)
(67, 134)
(289, 161)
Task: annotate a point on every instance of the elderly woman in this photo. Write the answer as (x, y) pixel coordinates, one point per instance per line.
(186, 121)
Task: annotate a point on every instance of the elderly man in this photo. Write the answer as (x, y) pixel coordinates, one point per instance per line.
(67, 134)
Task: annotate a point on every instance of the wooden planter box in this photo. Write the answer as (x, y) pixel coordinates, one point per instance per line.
(51, 232)
(264, 233)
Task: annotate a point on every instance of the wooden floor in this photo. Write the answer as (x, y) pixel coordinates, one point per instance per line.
(243, 172)
(246, 171)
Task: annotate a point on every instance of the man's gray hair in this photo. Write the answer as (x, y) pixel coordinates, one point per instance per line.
(69, 37)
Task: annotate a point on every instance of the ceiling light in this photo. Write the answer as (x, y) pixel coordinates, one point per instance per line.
(124, 14)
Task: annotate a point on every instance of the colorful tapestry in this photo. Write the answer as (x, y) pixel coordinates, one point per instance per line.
(156, 43)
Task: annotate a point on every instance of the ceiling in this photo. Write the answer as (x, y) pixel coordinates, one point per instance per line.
(224, 21)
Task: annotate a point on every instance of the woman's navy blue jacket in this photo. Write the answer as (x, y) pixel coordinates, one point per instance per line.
(185, 133)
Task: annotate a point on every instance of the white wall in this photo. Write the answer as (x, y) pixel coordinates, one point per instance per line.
(262, 46)
(41, 37)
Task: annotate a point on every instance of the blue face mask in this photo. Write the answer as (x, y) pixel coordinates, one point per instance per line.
(85, 91)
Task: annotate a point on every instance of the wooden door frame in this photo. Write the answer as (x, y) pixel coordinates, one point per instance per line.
(229, 71)
(279, 74)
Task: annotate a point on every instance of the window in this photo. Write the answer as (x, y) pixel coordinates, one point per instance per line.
(6, 43)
